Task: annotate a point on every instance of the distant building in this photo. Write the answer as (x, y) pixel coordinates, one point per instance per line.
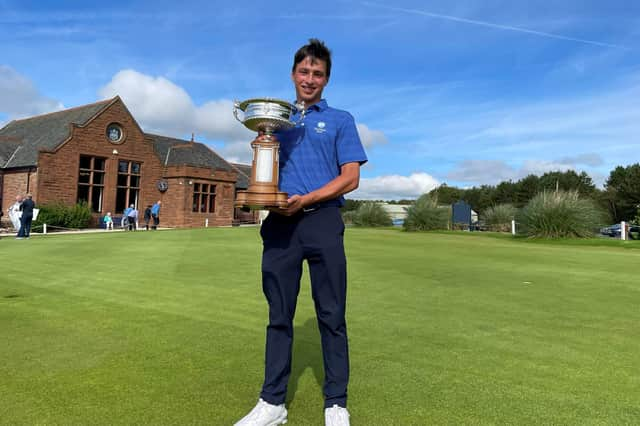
(397, 212)
(98, 154)
(243, 215)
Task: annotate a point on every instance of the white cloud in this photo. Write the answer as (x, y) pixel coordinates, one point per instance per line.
(370, 137)
(496, 171)
(394, 187)
(20, 98)
(163, 107)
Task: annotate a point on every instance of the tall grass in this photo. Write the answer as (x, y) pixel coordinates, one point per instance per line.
(426, 215)
(559, 214)
(371, 214)
(499, 217)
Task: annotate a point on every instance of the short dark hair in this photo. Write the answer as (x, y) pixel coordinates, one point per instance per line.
(316, 49)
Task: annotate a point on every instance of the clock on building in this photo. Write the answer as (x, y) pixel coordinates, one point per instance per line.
(162, 185)
(115, 133)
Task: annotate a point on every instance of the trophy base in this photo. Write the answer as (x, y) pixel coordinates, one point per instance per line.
(261, 200)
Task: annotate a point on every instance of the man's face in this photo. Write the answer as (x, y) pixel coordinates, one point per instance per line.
(309, 78)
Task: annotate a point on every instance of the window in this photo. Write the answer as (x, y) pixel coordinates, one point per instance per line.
(91, 182)
(128, 185)
(204, 198)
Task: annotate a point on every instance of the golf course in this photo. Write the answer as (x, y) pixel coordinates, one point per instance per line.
(168, 328)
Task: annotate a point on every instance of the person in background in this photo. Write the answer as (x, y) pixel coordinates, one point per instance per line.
(26, 208)
(14, 213)
(155, 214)
(147, 217)
(108, 222)
(132, 217)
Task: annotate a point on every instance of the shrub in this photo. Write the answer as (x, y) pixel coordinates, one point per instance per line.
(499, 217)
(425, 215)
(61, 215)
(347, 216)
(371, 214)
(559, 214)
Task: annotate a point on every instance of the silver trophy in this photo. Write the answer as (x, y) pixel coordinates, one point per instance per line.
(265, 116)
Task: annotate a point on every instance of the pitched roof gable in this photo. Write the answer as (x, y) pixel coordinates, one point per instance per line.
(43, 132)
(178, 152)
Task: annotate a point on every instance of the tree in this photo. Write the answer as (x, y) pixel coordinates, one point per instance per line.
(480, 198)
(525, 189)
(568, 181)
(505, 193)
(446, 194)
(623, 188)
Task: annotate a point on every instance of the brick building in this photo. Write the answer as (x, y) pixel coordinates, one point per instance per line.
(98, 154)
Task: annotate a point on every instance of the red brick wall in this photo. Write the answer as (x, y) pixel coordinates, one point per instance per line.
(57, 176)
(15, 183)
(177, 202)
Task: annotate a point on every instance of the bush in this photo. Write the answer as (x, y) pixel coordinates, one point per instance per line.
(61, 215)
(499, 217)
(559, 214)
(425, 215)
(348, 216)
(371, 214)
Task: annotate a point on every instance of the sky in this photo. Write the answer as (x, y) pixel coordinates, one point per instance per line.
(465, 93)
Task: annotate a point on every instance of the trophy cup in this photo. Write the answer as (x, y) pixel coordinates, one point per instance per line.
(265, 115)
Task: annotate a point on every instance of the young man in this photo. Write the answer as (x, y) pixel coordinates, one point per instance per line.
(320, 161)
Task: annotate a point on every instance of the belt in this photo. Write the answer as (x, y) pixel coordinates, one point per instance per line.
(318, 206)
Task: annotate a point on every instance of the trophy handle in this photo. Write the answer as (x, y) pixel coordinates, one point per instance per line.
(236, 106)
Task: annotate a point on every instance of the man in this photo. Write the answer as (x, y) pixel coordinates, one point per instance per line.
(26, 208)
(155, 214)
(147, 217)
(319, 162)
(14, 213)
(132, 217)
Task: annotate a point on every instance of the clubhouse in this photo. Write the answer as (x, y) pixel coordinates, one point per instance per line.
(98, 154)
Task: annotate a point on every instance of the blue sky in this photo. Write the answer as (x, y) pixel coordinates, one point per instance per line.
(462, 92)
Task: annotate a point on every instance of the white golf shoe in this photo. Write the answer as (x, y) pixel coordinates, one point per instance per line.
(336, 416)
(265, 414)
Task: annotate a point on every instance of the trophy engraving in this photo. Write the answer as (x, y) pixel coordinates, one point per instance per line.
(266, 116)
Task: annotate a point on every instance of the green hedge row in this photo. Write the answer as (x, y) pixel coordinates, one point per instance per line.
(64, 216)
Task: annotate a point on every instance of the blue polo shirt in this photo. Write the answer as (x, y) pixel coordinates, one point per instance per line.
(312, 153)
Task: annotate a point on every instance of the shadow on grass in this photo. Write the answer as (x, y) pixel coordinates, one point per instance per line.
(307, 353)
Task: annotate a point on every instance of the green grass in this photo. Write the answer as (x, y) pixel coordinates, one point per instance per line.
(167, 328)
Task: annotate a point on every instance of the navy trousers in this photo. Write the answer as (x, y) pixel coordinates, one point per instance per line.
(316, 237)
(25, 225)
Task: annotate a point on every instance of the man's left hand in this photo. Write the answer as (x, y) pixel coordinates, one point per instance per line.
(295, 204)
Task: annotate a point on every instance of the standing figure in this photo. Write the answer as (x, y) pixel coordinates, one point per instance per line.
(147, 217)
(26, 208)
(14, 213)
(155, 214)
(320, 161)
(132, 217)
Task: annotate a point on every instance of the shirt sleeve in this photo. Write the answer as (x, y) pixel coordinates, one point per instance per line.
(348, 144)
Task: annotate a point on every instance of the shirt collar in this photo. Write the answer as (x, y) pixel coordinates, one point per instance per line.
(319, 106)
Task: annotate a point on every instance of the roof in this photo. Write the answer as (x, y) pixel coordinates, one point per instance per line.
(178, 152)
(20, 140)
(244, 175)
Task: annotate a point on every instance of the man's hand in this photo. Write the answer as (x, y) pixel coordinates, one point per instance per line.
(296, 203)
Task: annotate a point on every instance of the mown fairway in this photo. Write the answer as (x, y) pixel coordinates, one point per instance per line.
(167, 328)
